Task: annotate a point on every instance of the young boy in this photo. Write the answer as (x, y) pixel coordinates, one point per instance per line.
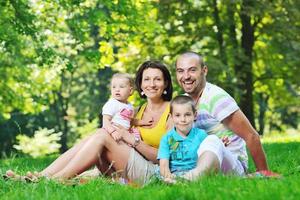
(177, 152)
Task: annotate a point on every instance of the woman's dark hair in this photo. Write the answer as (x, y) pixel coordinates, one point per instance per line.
(166, 74)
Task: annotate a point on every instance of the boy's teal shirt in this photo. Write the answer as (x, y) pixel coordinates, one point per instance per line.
(181, 152)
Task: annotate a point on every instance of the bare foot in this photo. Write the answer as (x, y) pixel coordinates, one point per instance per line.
(169, 180)
(11, 175)
(34, 176)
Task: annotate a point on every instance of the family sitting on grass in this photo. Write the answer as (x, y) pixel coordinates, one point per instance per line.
(204, 132)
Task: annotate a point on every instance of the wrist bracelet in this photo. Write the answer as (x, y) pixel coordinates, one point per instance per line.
(137, 141)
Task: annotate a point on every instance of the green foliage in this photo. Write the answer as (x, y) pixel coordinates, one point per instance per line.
(57, 57)
(44, 142)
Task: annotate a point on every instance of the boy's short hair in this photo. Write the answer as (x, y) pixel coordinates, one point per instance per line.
(182, 99)
(126, 76)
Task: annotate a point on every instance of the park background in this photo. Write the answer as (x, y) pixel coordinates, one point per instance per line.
(57, 57)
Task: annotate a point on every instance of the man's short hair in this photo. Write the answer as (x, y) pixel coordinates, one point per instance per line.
(192, 53)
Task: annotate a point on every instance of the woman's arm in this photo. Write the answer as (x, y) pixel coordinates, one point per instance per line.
(149, 152)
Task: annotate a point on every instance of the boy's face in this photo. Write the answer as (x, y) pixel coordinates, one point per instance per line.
(121, 89)
(183, 118)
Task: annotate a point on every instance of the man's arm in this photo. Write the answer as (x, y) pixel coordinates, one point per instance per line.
(240, 125)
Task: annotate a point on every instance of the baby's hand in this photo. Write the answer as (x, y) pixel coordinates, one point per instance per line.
(146, 122)
(116, 135)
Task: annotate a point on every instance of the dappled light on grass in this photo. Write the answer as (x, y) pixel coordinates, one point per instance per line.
(283, 138)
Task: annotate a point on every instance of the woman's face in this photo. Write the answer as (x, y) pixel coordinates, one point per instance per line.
(153, 83)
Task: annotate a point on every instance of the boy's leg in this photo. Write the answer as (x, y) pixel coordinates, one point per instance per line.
(214, 157)
(210, 157)
(207, 163)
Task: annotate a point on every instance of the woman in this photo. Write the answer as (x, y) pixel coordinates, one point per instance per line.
(132, 157)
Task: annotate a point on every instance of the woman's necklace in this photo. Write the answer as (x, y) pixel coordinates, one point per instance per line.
(153, 114)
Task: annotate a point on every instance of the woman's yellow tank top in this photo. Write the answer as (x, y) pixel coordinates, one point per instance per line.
(152, 136)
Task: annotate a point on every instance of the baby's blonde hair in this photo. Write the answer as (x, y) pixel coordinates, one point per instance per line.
(126, 76)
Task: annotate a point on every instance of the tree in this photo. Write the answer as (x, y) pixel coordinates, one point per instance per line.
(234, 36)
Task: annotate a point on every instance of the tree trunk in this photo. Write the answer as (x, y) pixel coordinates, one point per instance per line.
(63, 113)
(263, 106)
(219, 33)
(245, 75)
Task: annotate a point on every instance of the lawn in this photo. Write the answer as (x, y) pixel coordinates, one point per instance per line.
(283, 157)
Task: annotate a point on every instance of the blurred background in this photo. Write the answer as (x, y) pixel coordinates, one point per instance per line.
(57, 57)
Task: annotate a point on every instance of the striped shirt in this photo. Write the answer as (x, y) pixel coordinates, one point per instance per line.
(214, 106)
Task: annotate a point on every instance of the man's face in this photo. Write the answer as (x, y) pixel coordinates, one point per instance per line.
(190, 75)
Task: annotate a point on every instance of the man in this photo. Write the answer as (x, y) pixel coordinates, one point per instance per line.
(219, 115)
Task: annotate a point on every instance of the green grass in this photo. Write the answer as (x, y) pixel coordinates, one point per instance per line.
(282, 157)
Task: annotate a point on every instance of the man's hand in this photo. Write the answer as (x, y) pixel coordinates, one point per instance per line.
(264, 174)
(268, 173)
(225, 141)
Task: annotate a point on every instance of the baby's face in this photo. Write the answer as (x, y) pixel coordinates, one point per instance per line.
(183, 118)
(121, 89)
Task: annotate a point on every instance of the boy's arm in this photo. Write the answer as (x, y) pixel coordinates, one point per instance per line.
(164, 168)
